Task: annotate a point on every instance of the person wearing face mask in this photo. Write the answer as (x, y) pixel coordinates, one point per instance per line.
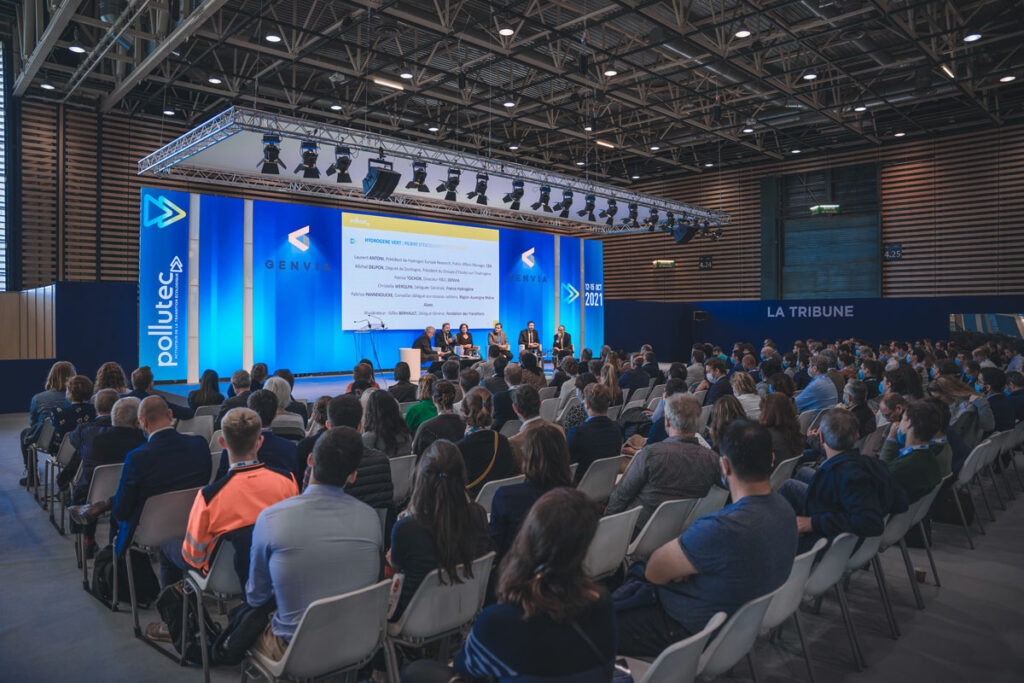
(970, 414)
(1015, 392)
(909, 452)
(821, 392)
(990, 384)
(870, 372)
(715, 381)
(855, 400)
(971, 371)
(890, 411)
(801, 377)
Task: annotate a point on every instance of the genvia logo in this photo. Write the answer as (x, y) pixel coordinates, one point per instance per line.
(160, 211)
(300, 238)
(527, 257)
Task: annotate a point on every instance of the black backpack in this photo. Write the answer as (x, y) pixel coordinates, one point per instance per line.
(634, 421)
(146, 585)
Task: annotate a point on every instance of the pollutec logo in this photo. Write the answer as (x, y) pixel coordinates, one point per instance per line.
(300, 238)
(527, 257)
(169, 212)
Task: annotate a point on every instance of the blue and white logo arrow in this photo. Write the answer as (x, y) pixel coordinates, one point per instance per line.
(571, 292)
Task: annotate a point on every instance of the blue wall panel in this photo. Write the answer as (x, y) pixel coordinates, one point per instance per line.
(570, 290)
(593, 294)
(221, 237)
(527, 283)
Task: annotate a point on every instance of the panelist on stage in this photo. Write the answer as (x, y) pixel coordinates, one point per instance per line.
(443, 339)
(498, 338)
(422, 343)
(465, 339)
(529, 339)
(562, 345)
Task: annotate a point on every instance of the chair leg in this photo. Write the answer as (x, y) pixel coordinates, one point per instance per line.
(803, 645)
(883, 591)
(963, 518)
(851, 631)
(931, 558)
(995, 487)
(753, 669)
(1016, 472)
(113, 598)
(911, 574)
(1010, 495)
(984, 497)
(201, 616)
(131, 593)
(391, 660)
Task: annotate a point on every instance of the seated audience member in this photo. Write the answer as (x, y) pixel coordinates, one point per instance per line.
(526, 403)
(855, 400)
(950, 451)
(745, 391)
(444, 529)
(850, 492)
(78, 410)
(317, 545)
(501, 380)
(781, 383)
(894, 380)
(990, 384)
(577, 413)
(678, 467)
(450, 373)
(468, 379)
(723, 560)
(142, 383)
(403, 390)
(778, 416)
(545, 600)
(533, 373)
(503, 410)
(293, 406)
(259, 373)
(447, 424)
(275, 452)
(650, 366)
(168, 461)
(674, 385)
(635, 377)
(362, 378)
(610, 378)
(695, 371)
(872, 372)
(486, 367)
(285, 419)
(54, 394)
(111, 376)
(545, 462)
(910, 453)
(424, 410)
(801, 378)
(486, 452)
(318, 416)
(383, 427)
(1015, 385)
(982, 357)
(238, 395)
(821, 392)
(231, 503)
(749, 366)
(81, 437)
(566, 372)
(969, 413)
(725, 410)
(599, 436)
(716, 381)
(208, 393)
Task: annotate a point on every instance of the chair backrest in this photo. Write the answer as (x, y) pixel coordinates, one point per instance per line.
(214, 464)
(439, 608)
(974, 462)
(633, 404)
(664, 525)
(486, 495)
(45, 436)
(337, 633)
(401, 476)
(613, 412)
(201, 425)
(212, 411)
(867, 549)
(511, 428)
(817, 420)
(657, 391)
(163, 517)
(832, 565)
(405, 406)
(787, 599)
(653, 401)
(712, 501)
(599, 479)
(705, 416)
(549, 408)
(65, 451)
(925, 504)
(805, 418)
(699, 395)
(222, 578)
(736, 637)
(608, 549)
(215, 441)
(547, 392)
(678, 662)
(104, 482)
(564, 413)
(639, 394)
(783, 471)
(898, 525)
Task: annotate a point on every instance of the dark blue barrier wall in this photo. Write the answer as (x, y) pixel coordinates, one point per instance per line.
(670, 327)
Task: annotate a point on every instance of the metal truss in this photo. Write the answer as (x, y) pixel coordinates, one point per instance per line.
(172, 159)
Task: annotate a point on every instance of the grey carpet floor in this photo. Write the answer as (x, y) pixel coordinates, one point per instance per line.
(972, 629)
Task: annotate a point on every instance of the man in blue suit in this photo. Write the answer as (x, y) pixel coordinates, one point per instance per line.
(598, 437)
(168, 461)
(821, 392)
(276, 452)
(142, 383)
(716, 381)
(634, 378)
(1015, 385)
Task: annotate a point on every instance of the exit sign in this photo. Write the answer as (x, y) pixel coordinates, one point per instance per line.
(824, 209)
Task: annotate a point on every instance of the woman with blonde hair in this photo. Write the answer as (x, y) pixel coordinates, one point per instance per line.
(610, 378)
(970, 415)
(745, 391)
(723, 411)
(54, 393)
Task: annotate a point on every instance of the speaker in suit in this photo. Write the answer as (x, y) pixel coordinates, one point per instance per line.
(423, 343)
(561, 345)
(530, 339)
(444, 341)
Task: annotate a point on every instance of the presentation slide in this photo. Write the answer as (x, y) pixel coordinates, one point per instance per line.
(411, 273)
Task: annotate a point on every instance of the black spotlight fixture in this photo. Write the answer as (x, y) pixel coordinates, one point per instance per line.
(670, 220)
(342, 160)
(480, 191)
(419, 177)
(631, 218)
(271, 163)
(588, 208)
(451, 184)
(309, 155)
(544, 200)
(682, 233)
(381, 178)
(609, 212)
(515, 195)
(652, 219)
(564, 205)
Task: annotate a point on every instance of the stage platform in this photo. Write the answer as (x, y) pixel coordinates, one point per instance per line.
(308, 388)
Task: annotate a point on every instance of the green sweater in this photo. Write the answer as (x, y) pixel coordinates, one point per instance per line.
(917, 472)
(420, 413)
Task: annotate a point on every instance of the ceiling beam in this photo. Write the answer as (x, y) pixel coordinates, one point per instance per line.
(58, 22)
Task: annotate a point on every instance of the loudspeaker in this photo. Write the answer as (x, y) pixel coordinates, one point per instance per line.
(380, 180)
(700, 316)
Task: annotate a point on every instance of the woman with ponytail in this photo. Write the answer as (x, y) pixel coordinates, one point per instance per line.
(444, 529)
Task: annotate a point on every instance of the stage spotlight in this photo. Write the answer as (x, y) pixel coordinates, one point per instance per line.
(588, 208)
(419, 177)
(451, 184)
(564, 205)
(544, 200)
(652, 219)
(670, 220)
(609, 212)
(381, 179)
(631, 219)
(309, 156)
(271, 162)
(342, 160)
(480, 191)
(515, 195)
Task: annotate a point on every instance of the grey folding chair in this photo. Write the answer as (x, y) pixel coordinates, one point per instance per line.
(678, 662)
(52, 466)
(919, 514)
(212, 411)
(215, 442)
(547, 392)
(963, 481)
(201, 425)
(438, 611)
(699, 395)
(805, 418)
(221, 581)
(549, 409)
(867, 554)
(401, 477)
(335, 635)
(614, 412)
(599, 479)
(608, 549)
(633, 404)
(712, 501)
(735, 639)
(214, 464)
(640, 394)
(102, 486)
(657, 392)
(564, 412)
(42, 445)
(665, 524)
(486, 495)
(783, 471)
(652, 402)
(828, 573)
(511, 428)
(705, 416)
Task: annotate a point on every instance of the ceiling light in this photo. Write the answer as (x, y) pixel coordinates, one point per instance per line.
(480, 191)
(544, 199)
(76, 48)
(971, 37)
(451, 184)
(588, 207)
(388, 84)
(635, 176)
(506, 31)
(342, 160)
(604, 143)
(515, 195)
(46, 86)
(610, 72)
(947, 70)
(742, 33)
(406, 74)
(655, 148)
(509, 103)
(581, 163)
(588, 128)
(899, 134)
(795, 151)
(168, 112)
(810, 76)
(564, 205)
(708, 165)
(748, 129)
(433, 129)
(335, 107)
(513, 147)
(419, 176)
(272, 38)
(214, 80)
(860, 107)
(1007, 79)
(271, 163)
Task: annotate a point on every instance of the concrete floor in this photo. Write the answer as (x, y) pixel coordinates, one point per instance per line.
(972, 629)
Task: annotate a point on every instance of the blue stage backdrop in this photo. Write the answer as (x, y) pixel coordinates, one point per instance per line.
(296, 300)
